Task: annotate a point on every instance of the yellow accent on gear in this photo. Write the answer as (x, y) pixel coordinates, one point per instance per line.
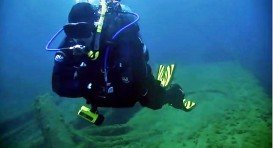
(165, 74)
(188, 104)
(85, 113)
(102, 15)
(93, 55)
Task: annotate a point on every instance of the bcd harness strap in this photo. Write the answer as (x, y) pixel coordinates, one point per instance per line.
(94, 54)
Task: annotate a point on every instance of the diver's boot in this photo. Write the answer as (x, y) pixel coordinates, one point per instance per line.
(176, 98)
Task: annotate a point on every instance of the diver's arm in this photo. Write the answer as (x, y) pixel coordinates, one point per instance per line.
(64, 78)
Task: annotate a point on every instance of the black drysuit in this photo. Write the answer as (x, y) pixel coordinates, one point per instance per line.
(129, 75)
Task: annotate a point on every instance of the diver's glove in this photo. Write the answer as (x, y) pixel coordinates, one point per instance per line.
(78, 50)
(70, 56)
(176, 98)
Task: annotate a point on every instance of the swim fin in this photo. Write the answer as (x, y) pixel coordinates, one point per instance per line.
(188, 105)
(164, 74)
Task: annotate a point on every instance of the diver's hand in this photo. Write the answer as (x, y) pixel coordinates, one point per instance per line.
(78, 50)
(71, 55)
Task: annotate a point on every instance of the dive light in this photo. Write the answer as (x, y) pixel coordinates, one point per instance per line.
(90, 116)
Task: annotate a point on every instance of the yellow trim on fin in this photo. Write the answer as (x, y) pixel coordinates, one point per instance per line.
(160, 72)
(188, 105)
(165, 74)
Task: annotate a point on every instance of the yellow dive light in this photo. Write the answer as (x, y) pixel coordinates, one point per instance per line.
(90, 116)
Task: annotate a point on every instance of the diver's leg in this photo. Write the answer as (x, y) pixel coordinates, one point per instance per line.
(154, 98)
(155, 95)
(158, 96)
(175, 96)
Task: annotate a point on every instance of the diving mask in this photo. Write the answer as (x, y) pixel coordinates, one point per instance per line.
(79, 30)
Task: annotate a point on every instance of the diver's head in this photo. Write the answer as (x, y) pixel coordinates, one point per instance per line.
(82, 12)
(80, 25)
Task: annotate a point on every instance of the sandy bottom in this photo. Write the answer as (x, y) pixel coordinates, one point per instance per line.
(232, 111)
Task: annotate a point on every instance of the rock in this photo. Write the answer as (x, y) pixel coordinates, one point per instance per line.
(54, 131)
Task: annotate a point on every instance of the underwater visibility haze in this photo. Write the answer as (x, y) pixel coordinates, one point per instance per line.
(223, 55)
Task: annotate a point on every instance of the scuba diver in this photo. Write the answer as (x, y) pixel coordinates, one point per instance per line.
(103, 59)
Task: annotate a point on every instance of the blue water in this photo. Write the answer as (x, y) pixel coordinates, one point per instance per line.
(182, 31)
(199, 31)
(186, 32)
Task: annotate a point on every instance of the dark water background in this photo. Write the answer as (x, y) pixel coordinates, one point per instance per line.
(180, 31)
